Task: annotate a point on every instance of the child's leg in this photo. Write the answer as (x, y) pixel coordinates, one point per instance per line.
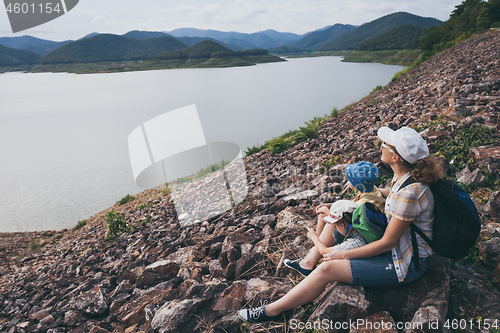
(314, 256)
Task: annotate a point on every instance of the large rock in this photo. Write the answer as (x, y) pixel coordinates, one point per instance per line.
(290, 218)
(342, 303)
(490, 251)
(172, 315)
(134, 313)
(261, 221)
(493, 205)
(186, 255)
(466, 176)
(91, 303)
(232, 298)
(157, 272)
(485, 154)
(261, 289)
(428, 319)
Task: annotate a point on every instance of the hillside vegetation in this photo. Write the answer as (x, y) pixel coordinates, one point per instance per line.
(468, 18)
(405, 37)
(108, 47)
(206, 49)
(144, 34)
(314, 40)
(377, 27)
(13, 59)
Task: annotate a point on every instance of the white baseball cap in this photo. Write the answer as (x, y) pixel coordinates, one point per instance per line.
(407, 141)
(338, 208)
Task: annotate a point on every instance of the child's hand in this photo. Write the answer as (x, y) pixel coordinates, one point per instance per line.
(311, 234)
(322, 209)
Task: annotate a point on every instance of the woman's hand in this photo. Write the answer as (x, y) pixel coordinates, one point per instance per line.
(335, 255)
(311, 234)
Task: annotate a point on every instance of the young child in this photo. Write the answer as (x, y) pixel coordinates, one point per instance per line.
(361, 177)
(341, 216)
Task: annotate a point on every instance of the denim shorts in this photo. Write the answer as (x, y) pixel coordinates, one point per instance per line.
(379, 271)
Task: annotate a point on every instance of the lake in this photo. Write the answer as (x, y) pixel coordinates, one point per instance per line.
(63, 137)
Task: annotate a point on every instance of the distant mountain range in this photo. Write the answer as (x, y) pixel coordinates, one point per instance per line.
(263, 39)
(395, 31)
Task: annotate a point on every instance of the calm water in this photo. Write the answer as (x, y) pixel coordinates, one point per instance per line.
(63, 137)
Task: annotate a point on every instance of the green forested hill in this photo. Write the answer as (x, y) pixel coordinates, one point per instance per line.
(144, 34)
(205, 49)
(468, 18)
(377, 27)
(14, 57)
(405, 37)
(108, 47)
(315, 39)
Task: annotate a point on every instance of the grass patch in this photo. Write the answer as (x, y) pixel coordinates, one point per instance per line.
(115, 225)
(388, 57)
(80, 224)
(293, 137)
(125, 199)
(34, 246)
(146, 221)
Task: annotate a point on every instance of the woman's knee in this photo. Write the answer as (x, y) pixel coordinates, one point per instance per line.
(326, 268)
(335, 270)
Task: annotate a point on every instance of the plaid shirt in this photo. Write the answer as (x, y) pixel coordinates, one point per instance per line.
(352, 241)
(414, 203)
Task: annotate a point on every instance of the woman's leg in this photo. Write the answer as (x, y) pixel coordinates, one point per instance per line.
(312, 286)
(326, 237)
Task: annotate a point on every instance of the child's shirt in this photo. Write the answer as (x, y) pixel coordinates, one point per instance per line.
(375, 197)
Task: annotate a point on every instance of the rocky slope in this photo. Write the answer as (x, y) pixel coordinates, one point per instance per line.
(164, 278)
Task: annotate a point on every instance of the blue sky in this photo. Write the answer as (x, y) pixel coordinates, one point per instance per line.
(113, 16)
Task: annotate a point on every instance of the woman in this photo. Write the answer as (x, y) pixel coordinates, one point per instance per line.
(388, 261)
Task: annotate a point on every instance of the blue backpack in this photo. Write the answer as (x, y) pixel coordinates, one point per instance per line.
(456, 223)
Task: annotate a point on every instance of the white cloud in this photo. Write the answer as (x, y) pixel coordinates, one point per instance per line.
(99, 19)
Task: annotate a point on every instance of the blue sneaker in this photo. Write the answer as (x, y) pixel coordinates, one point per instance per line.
(294, 264)
(257, 315)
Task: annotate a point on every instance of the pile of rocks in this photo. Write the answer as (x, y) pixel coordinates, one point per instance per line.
(162, 277)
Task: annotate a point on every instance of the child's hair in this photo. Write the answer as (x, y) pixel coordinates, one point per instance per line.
(347, 217)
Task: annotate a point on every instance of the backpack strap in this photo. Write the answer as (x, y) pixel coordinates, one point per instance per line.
(414, 230)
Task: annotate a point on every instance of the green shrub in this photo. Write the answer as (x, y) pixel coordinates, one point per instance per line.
(125, 199)
(115, 225)
(80, 224)
(334, 113)
(253, 150)
(34, 246)
(377, 88)
(146, 221)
